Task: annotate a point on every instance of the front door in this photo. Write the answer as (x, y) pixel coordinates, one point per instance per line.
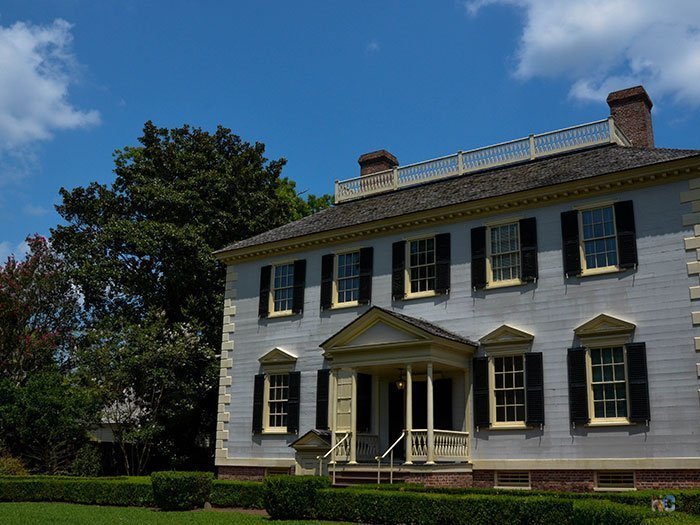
(397, 421)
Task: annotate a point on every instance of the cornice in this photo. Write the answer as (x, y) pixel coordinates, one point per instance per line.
(537, 197)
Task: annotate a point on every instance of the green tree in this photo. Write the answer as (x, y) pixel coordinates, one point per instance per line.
(45, 420)
(140, 251)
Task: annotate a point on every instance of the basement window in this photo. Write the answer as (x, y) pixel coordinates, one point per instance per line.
(609, 480)
(512, 479)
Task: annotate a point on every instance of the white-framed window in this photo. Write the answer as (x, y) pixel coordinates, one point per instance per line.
(421, 268)
(276, 398)
(347, 278)
(504, 254)
(282, 289)
(598, 238)
(608, 398)
(512, 479)
(508, 390)
(614, 480)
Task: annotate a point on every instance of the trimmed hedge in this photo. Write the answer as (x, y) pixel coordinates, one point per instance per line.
(125, 491)
(181, 490)
(389, 508)
(687, 500)
(240, 494)
(293, 497)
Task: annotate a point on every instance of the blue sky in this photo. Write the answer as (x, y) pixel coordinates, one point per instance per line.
(320, 82)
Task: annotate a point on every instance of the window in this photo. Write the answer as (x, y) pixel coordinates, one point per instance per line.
(504, 253)
(599, 239)
(283, 288)
(347, 277)
(510, 479)
(608, 383)
(509, 389)
(421, 265)
(609, 480)
(277, 397)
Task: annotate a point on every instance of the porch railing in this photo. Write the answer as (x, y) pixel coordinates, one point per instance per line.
(390, 452)
(450, 445)
(367, 446)
(343, 444)
(519, 150)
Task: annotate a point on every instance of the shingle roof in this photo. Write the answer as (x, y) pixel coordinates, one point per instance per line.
(421, 324)
(428, 327)
(530, 175)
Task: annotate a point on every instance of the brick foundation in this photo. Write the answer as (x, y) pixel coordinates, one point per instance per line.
(441, 479)
(249, 473)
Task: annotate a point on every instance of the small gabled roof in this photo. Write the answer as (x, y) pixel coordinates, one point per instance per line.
(277, 356)
(506, 335)
(314, 439)
(422, 325)
(604, 324)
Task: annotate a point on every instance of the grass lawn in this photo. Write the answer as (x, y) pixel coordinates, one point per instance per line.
(65, 513)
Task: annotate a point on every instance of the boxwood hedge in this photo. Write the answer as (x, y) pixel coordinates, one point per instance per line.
(181, 490)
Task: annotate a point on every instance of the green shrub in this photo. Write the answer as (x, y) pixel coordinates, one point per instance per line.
(88, 491)
(181, 490)
(386, 507)
(87, 462)
(292, 497)
(596, 512)
(240, 494)
(11, 466)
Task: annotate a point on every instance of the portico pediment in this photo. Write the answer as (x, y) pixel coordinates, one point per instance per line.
(383, 335)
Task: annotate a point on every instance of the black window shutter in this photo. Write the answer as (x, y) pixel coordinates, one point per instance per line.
(258, 397)
(528, 249)
(293, 402)
(364, 402)
(322, 378)
(638, 383)
(578, 386)
(299, 284)
(534, 389)
(442, 263)
(264, 304)
(327, 281)
(398, 265)
(479, 257)
(482, 414)
(570, 243)
(366, 264)
(626, 234)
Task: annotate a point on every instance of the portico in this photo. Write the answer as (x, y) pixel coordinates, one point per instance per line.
(402, 382)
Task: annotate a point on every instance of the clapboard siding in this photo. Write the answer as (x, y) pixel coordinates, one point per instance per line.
(655, 298)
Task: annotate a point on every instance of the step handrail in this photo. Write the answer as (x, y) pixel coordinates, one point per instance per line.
(332, 462)
(389, 451)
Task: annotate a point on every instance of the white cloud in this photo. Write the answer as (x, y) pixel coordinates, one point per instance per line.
(603, 45)
(38, 67)
(18, 251)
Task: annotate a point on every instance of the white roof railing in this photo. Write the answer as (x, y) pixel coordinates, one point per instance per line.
(519, 150)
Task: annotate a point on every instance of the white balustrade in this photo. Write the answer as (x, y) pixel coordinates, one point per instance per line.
(528, 148)
(450, 445)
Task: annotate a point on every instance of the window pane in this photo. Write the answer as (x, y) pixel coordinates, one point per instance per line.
(508, 388)
(348, 277)
(422, 265)
(599, 237)
(608, 382)
(505, 252)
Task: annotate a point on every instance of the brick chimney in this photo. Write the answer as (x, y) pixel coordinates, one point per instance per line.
(376, 161)
(631, 109)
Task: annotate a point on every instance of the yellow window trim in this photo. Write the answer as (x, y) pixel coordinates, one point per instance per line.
(335, 305)
(503, 425)
(490, 283)
(407, 269)
(271, 296)
(602, 270)
(267, 429)
(605, 421)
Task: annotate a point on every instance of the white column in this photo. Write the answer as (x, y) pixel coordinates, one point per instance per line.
(409, 415)
(431, 433)
(333, 404)
(468, 410)
(353, 419)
